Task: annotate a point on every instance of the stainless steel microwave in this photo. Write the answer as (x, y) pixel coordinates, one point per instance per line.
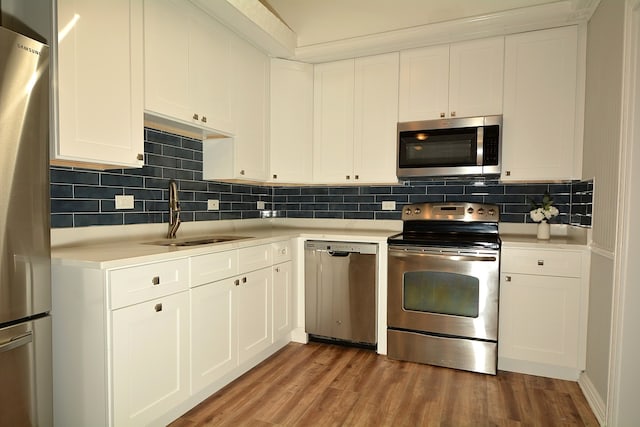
(449, 147)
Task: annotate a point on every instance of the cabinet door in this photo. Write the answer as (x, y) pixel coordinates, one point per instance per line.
(540, 105)
(424, 83)
(291, 123)
(211, 70)
(333, 122)
(375, 118)
(166, 59)
(476, 77)
(282, 300)
(540, 319)
(150, 359)
(254, 313)
(100, 83)
(213, 333)
(250, 142)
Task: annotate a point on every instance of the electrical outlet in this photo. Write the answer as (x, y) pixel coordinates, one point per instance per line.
(124, 202)
(261, 205)
(388, 205)
(213, 205)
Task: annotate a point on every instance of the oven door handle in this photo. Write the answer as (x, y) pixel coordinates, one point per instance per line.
(454, 256)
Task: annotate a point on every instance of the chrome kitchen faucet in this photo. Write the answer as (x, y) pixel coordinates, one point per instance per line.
(174, 210)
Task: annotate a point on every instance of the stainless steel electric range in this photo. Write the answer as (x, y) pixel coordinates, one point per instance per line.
(443, 286)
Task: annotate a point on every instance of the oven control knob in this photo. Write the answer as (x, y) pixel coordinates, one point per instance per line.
(470, 211)
(417, 211)
(491, 212)
(407, 211)
(481, 211)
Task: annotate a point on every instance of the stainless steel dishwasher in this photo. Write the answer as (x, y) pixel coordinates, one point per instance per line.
(340, 291)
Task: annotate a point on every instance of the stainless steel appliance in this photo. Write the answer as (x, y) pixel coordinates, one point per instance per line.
(449, 147)
(340, 291)
(25, 271)
(443, 286)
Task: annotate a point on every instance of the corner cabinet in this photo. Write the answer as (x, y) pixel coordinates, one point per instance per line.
(245, 156)
(459, 80)
(100, 88)
(142, 344)
(543, 311)
(543, 105)
(355, 119)
(188, 67)
(291, 131)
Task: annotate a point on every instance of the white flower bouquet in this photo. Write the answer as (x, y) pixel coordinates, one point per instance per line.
(545, 211)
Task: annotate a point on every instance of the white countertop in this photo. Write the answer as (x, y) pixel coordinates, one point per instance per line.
(105, 247)
(127, 250)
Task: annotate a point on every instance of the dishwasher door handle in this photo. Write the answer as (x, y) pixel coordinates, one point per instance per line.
(339, 253)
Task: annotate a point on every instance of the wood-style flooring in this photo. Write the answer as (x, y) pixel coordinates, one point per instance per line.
(327, 385)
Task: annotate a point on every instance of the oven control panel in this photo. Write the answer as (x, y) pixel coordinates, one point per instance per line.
(459, 211)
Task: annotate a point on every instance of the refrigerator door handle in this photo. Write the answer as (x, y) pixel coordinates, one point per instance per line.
(17, 341)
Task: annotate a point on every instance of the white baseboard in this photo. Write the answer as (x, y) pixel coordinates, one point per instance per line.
(593, 398)
(539, 369)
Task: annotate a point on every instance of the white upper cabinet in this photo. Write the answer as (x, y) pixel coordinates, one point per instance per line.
(540, 139)
(291, 131)
(355, 119)
(459, 80)
(100, 84)
(375, 118)
(188, 66)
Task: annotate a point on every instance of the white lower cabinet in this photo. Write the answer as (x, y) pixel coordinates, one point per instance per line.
(214, 348)
(150, 358)
(282, 300)
(543, 303)
(140, 345)
(254, 313)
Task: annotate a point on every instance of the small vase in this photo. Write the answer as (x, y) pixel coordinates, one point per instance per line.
(544, 230)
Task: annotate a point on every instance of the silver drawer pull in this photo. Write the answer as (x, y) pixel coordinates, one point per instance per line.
(277, 269)
(156, 280)
(236, 282)
(507, 278)
(158, 307)
(244, 280)
(540, 262)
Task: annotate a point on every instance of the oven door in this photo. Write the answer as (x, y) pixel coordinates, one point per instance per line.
(443, 291)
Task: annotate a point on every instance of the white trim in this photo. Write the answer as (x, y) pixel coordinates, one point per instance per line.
(593, 398)
(631, 72)
(603, 252)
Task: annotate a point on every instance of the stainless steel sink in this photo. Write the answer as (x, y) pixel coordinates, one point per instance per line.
(196, 241)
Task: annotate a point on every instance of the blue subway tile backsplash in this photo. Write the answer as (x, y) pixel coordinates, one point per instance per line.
(85, 198)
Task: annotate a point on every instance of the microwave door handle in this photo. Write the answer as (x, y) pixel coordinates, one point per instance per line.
(480, 146)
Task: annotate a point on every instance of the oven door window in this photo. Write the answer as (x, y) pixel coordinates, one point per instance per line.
(438, 148)
(441, 293)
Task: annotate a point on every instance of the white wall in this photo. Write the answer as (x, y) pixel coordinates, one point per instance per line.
(601, 162)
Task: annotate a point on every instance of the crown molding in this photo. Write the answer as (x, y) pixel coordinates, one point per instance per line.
(260, 27)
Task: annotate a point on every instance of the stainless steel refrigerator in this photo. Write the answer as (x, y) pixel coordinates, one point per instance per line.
(25, 260)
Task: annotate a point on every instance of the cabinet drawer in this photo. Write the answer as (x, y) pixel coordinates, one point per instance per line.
(145, 282)
(542, 262)
(255, 258)
(281, 251)
(211, 267)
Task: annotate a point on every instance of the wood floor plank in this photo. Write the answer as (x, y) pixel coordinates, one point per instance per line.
(327, 385)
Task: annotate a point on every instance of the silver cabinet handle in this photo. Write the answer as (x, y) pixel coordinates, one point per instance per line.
(158, 307)
(155, 281)
(357, 177)
(453, 114)
(204, 119)
(195, 116)
(244, 280)
(508, 173)
(507, 278)
(16, 342)
(242, 172)
(540, 262)
(441, 115)
(236, 282)
(275, 176)
(277, 269)
(140, 156)
(348, 176)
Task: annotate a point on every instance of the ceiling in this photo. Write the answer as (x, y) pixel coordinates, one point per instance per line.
(322, 21)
